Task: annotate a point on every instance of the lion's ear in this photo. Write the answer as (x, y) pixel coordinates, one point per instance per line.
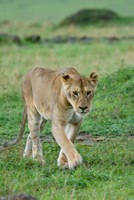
(93, 79)
(66, 78)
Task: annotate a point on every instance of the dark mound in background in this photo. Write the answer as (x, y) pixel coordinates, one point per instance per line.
(89, 16)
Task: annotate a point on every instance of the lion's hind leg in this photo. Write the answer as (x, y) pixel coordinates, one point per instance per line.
(34, 124)
(28, 148)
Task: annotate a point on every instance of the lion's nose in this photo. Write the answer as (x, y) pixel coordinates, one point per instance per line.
(83, 108)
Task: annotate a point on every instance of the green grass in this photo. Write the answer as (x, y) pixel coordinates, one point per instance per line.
(106, 172)
(113, 112)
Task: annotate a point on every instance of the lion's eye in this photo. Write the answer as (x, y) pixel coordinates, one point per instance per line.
(88, 93)
(75, 93)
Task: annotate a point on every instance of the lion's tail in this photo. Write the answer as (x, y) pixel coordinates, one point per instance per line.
(9, 144)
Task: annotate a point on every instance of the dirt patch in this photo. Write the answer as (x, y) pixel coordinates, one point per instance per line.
(82, 138)
(90, 16)
(88, 139)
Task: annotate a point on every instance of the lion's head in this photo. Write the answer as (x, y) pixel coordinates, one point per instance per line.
(79, 90)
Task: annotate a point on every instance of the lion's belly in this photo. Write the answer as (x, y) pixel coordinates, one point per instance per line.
(44, 110)
(46, 115)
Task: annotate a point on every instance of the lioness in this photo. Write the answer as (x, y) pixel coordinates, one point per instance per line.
(63, 96)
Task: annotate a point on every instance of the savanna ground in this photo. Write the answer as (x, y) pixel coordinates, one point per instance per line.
(107, 171)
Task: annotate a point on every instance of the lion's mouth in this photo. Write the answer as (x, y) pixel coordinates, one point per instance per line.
(82, 114)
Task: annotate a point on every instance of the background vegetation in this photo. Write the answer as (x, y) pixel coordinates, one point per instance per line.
(107, 171)
(56, 10)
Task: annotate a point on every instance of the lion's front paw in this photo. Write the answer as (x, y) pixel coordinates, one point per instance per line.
(75, 160)
(62, 161)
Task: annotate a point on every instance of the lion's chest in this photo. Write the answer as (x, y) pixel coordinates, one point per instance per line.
(74, 117)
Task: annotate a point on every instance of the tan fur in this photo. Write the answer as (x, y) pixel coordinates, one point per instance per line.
(64, 97)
